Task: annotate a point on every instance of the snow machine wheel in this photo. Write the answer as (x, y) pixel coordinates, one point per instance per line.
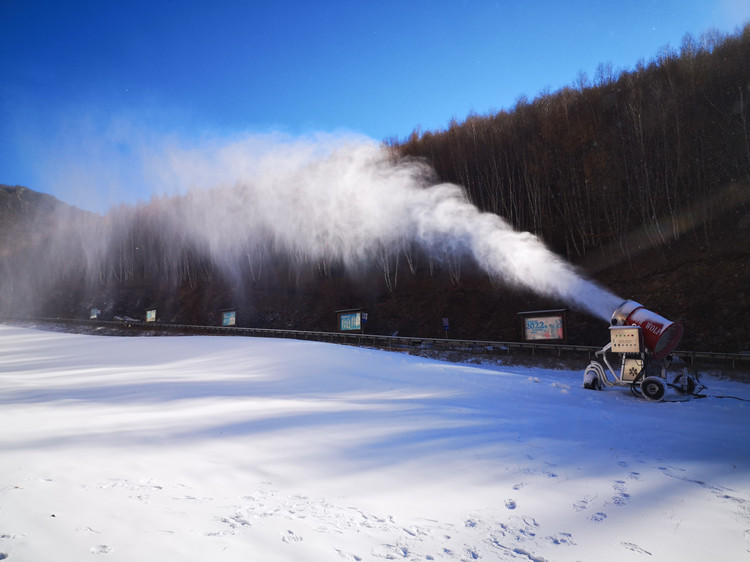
(653, 388)
(592, 385)
(591, 380)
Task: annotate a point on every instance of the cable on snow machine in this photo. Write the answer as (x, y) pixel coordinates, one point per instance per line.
(644, 341)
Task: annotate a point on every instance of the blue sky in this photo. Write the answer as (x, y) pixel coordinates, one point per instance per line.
(87, 86)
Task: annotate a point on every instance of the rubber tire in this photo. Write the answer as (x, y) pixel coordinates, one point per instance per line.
(594, 383)
(653, 389)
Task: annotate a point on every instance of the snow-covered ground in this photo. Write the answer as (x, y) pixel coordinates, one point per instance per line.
(208, 448)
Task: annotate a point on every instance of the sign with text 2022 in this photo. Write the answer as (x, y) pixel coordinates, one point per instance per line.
(544, 328)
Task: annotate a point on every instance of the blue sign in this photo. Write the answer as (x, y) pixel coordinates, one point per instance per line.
(228, 318)
(350, 322)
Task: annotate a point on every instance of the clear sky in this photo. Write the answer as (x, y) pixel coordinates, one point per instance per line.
(87, 86)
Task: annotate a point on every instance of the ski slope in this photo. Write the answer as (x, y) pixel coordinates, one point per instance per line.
(237, 449)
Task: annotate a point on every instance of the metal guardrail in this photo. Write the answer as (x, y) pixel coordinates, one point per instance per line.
(381, 341)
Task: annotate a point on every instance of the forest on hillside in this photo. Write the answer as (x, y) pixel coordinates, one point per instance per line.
(664, 147)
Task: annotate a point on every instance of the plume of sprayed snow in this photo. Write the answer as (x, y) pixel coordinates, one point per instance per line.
(333, 198)
(347, 199)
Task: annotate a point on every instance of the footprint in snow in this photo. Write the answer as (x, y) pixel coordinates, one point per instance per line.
(510, 504)
(472, 554)
(622, 496)
(101, 549)
(598, 517)
(390, 552)
(290, 537)
(415, 531)
(348, 555)
(561, 538)
(582, 504)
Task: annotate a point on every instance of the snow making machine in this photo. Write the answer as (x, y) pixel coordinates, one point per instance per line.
(643, 342)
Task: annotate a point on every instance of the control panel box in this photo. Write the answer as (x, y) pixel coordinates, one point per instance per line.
(625, 339)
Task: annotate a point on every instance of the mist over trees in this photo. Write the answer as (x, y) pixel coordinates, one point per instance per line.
(661, 148)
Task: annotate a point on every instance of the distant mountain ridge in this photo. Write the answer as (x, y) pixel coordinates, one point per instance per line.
(17, 201)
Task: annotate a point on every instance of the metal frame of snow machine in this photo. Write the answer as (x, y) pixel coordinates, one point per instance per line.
(646, 376)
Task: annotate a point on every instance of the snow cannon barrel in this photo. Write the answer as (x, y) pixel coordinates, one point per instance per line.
(660, 335)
